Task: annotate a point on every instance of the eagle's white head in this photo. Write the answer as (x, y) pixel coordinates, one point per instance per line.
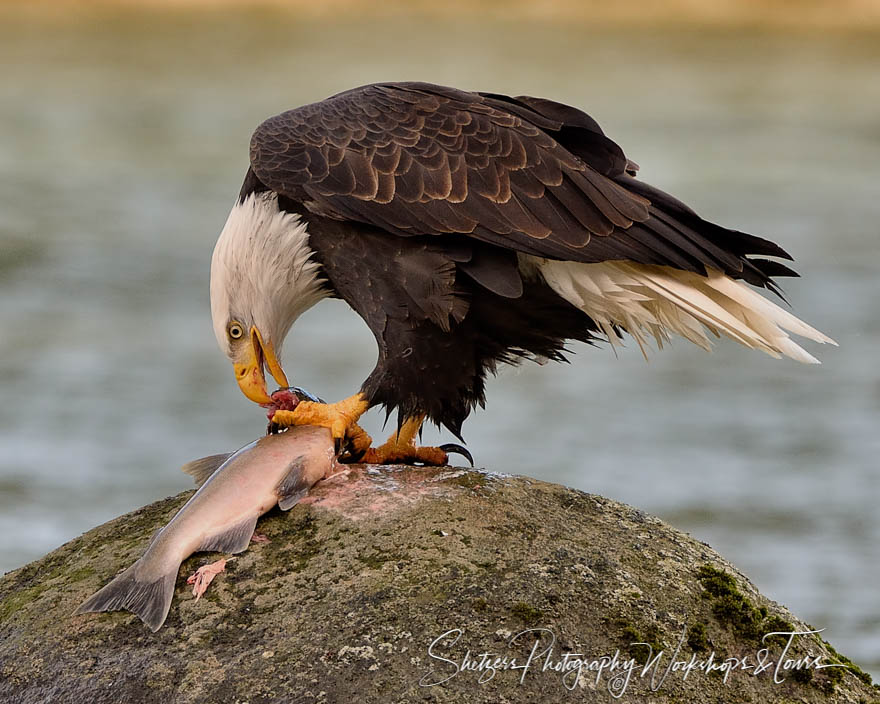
(263, 277)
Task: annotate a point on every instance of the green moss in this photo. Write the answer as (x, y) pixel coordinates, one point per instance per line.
(431, 595)
(379, 557)
(730, 606)
(489, 566)
(480, 605)
(374, 561)
(716, 582)
(80, 574)
(212, 595)
(19, 600)
(738, 613)
(571, 500)
(294, 539)
(527, 613)
(303, 525)
(697, 639)
(776, 623)
(843, 660)
(802, 676)
(470, 480)
(833, 677)
(631, 637)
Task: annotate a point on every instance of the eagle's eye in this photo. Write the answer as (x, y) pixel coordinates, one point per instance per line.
(234, 330)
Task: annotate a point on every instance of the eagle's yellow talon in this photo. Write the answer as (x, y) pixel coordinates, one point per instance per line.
(340, 418)
(401, 448)
(393, 453)
(338, 429)
(284, 418)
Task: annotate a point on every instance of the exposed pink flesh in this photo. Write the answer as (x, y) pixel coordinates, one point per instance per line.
(360, 491)
(282, 400)
(205, 574)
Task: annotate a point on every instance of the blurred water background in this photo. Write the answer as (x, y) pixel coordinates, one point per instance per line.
(123, 142)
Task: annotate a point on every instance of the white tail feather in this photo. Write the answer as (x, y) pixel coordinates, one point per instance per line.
(656, 301)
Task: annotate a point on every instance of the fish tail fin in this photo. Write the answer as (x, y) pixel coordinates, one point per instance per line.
(150, 600)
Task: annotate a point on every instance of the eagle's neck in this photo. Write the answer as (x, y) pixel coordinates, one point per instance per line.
(264, 268)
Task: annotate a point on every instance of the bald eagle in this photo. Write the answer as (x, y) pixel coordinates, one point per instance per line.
(467, 230)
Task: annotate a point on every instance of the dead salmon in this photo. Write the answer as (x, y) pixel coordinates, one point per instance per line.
(235, 490)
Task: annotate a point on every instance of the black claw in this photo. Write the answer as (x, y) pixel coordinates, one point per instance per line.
(273, 428)
(452, 448)
(353, 457)
(347, 454)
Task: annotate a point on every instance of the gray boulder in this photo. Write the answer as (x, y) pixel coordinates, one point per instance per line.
(415, 584)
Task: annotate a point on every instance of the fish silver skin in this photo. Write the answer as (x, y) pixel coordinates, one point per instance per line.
(236, 489)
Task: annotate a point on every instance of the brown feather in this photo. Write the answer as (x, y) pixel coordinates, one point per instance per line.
(525, 174)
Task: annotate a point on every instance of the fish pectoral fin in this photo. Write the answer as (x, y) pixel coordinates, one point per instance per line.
(233, 539)
(204, 467)
(285, 503)
(294, 486)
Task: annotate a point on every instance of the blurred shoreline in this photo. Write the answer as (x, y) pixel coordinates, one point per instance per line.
(735, 14)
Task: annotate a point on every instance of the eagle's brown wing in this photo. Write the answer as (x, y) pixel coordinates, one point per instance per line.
(523, 173)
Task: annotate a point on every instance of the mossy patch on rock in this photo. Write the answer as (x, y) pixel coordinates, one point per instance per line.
(732, 608)
(755, 622)
(527, 613)
(851, 666)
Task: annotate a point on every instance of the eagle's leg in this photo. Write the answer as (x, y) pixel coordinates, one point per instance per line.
(340, 417)
(401, 448)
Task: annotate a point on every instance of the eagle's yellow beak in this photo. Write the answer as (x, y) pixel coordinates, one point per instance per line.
(250, 376)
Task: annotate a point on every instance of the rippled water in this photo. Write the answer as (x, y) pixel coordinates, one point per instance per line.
(123, 141)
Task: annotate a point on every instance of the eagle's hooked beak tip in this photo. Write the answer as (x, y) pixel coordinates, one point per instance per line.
(251, 375)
